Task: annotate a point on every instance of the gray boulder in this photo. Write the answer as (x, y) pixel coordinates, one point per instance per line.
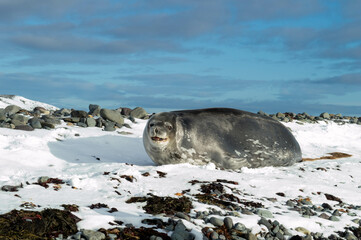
(93, 235)
(35, 123)
(12, 109)
(94, 109)
(41, 110)
(79, 114)
(64, 112)
(138, 112)
(18, 120)
(126, 111)
(51, 119)
(109, 127)
(280, 115)
(111, 115)
(325, 115)
(91, 122)
(24, 127)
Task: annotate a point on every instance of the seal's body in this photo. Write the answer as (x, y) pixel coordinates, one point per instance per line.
(229, 138)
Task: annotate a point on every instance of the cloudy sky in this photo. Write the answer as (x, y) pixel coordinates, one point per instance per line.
(282, 55)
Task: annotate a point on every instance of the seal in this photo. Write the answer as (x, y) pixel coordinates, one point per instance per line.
(229, 138)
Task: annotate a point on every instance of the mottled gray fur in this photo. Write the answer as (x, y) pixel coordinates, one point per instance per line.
(229, 138)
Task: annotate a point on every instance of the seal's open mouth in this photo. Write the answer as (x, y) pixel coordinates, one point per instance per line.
(158, 139)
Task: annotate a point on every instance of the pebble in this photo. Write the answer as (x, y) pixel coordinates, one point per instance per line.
(183, 216)
(214, 236)
(265, 222)
(93, 235)
(356, 220)
(240, 227)
(334, 218)
(216, 221)
(228, 222)
(350, 236)
(324, 216)
(264, 213)
(153, 237)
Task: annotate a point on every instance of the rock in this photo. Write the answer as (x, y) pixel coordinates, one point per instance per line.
(324, 216)
(153, 237)
(94, 109)
(47, 125)
(240, 227)
(112, 115)
(286, 119)
(353, 120)
(24, 127)
(12, 109)
(356, 220)
(81, 124)
(183, 216)
(62, 112)
(275, 117)
(334, 218)
(176, 236)
(109, 126)
(72, 119)
(79, 114)
(264, 213)
(216, 221)
(41, 110)
(325, 115)
(91, 122)
(126, 111)
(138, 112)
(251, 236)
(290, 203)
(262, 113)
(214, 236)
(100, 122)
(181, 233)
(302, 230)
(93, 235)
(280, 115)
(35, 123)
(350, 236)
(9, 188)
(265, 222)
(336, 213)
(18, 119)
(327, 206)
(228, 222)
(51, 120)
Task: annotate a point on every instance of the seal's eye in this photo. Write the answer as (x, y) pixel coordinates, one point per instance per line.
(151, 125)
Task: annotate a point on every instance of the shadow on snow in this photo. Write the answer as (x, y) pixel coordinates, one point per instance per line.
(112, 149)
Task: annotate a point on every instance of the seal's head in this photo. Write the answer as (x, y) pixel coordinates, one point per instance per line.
(160, 130)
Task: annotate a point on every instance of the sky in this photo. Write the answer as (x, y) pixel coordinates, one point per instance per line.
(275, 56)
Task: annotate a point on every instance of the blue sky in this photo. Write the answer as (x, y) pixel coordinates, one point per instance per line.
(284, 55)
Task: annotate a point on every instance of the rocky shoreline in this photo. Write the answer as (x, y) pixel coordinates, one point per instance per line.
(171, 215)
(15, 117)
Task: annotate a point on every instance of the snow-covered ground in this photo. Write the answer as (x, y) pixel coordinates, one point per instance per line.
(81, 156)
(22, 102)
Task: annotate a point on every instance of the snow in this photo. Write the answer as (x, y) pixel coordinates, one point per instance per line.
(81, 156)
(22, 102)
